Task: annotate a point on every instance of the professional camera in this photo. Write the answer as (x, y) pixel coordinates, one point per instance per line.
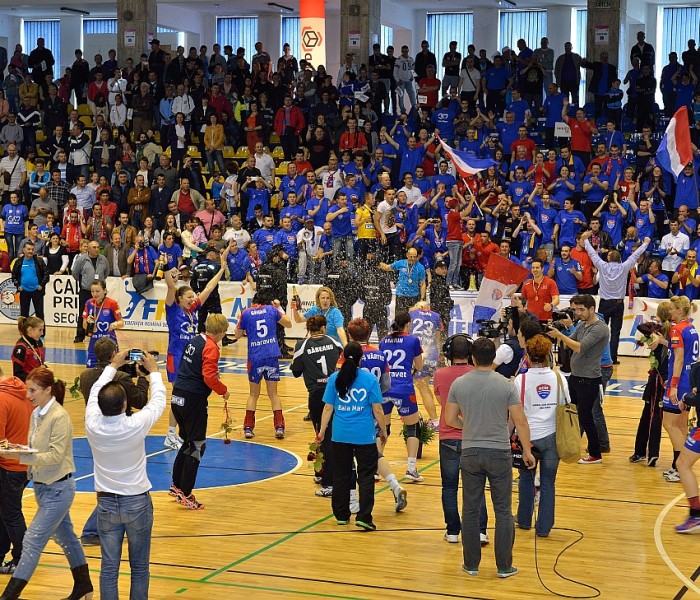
(132, 368)
(557, 317)
(489, 329)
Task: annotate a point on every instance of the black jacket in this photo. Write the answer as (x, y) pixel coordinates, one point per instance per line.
(375, 290)
(42, 272)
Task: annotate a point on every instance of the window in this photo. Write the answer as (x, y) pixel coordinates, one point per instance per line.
(386, 38)
(51, 32)
(160, 29)
(579, 44)
(679, 26)
(529, 25)
(443, 28)
(290, 35)
(93, 26)
(239, 32)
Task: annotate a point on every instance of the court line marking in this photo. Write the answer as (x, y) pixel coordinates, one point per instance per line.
(662, 550)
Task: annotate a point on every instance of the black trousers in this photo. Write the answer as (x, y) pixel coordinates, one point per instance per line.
(584, 393)
(376, 315)
(12, 484)
(83, 297)
(648, 438)
(206, 310)
(367, 457)
(613, 311)
(191, 414)
(403, 303)
(26, 298)
(316, 406)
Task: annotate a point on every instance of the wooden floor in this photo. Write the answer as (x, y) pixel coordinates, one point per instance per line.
(276, 539)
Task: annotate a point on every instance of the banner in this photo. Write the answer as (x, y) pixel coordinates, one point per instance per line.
(312, 32)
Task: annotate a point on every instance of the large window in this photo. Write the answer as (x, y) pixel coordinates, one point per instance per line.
(386, 38)
(443, 28)
(290, 35)
(239, 32)
(679, 26)
(93, 26)
(579, 43)
(529, 25)
(51, 32)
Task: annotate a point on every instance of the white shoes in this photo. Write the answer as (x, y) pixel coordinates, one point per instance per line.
(450, 538)
(172, 441)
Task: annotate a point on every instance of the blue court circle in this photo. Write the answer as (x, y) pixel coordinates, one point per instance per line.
(237, 463)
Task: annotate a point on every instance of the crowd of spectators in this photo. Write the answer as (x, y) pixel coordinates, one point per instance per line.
(160, 158)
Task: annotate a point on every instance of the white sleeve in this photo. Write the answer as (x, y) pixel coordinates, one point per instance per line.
(504, 354)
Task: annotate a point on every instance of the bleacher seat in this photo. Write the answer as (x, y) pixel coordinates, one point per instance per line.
(242, 152)
(84, 111)
(193, 151)
(228, 152)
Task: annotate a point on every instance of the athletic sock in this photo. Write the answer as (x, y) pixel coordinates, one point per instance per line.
(676, 454)
(393, 483)
(694, 506)
(249, 420)
(353, 495)
(411, 463)
(278, 418)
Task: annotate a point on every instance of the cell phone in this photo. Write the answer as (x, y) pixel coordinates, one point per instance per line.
(135, 355)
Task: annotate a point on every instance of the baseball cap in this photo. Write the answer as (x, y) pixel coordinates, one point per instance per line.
(440, 264)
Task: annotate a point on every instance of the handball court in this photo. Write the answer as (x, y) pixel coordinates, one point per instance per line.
(264, 534)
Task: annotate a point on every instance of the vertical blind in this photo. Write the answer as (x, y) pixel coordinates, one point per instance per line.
(290, 35)
(239, 32)
(530, 25)
(679, 26)
(580, 47)
(386, 38)
(51, 32)
(94, 26)
(443, 28)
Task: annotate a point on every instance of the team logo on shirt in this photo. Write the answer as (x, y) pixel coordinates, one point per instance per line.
(543, 391)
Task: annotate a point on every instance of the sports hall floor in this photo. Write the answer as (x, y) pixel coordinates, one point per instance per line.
(265, 534)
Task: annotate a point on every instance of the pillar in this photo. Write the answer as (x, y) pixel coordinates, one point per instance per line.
(363, 17)
(606, 31)
(139, 17)
(558, 28)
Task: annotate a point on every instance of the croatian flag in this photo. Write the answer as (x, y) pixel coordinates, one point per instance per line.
(501, 279)
(675, 150)
(465, 163)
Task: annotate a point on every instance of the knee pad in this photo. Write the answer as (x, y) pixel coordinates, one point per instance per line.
(388, 430)
(412, 430)
(196, 449)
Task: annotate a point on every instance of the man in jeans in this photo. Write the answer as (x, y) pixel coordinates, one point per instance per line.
(458, 353)
(122, 485)
(588, 342)
(480, 403)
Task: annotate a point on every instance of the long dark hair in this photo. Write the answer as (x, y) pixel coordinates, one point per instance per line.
(348, 372)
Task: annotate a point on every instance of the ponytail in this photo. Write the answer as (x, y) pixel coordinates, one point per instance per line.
(24, 323)
(44, 378)
(401, 319)
(348, 372)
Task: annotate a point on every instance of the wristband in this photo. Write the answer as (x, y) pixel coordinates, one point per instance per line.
(674, 381)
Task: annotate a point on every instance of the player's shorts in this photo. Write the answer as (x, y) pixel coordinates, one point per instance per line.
(405, 404)
(428, 370)
(692, 442)
(668, 406)
(267, 368)
(171, 368)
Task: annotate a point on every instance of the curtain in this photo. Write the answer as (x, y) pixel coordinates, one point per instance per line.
(580, 47)
(443, 28)
(530, 25)
(239, 32)
(51, 32)
(680, 25)
(93, 26)
(386, 38)
(290, 35)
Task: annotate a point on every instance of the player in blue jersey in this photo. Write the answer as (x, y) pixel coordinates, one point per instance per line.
(404, 353)
(376, 363)
(181, 306)
(428, 326)
(684, 346)
(102, 316)
(259, 323)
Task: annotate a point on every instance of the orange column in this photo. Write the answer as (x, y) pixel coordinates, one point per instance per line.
(312, 21)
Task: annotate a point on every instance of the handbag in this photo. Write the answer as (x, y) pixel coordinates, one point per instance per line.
(568, 432)
(516, 446)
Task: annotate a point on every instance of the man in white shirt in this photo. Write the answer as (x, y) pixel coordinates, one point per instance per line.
(84, 194)
(330, 177)
(673, 247)
(413, 194)
(404, 74)
(183, 103)
(385, 224)
(347, 67)
(236, 232)
(121, 482)
(264, 163)
(116, 85)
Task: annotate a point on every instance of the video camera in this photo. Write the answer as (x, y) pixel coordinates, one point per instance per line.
(558, 316)
(132, 368)
(489, 329)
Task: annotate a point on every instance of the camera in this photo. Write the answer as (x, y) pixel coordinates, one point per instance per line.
(489, 329)
(141, 245)
(132, 368)
(557, 317)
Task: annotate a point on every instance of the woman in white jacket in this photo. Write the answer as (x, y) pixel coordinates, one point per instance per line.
(540, 389)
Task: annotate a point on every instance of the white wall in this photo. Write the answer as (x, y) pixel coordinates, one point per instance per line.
(9, 32)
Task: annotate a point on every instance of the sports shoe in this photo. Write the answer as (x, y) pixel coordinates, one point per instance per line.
(85, 540)
(484, 538)
(325, 492)
(366, 526)
(190, 502)
(318, 479)
(672, 476)
(354, 506)
(172, 441)
(341, 522)
(279, 432)
(690, 525)
(176, 493)
(377, 478)
(401, 499)
(588, 460)
(414, 476)
(509, 572)
(635, 458)
(248, 433)
(472, 572)
(451, 538)
(9, 567)
(652, 461)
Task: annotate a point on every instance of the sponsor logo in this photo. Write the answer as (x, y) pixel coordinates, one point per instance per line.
(9, 300)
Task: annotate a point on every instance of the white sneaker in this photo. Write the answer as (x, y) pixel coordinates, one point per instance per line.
(325, 492)
(484, 538)
(414, 476)
(172, 441)
(672, 476)
(401, 500)
(450, 538)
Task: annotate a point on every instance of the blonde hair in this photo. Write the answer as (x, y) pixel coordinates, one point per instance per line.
(683, 304)
(330, 292)
(421, 305)
(216, 324)
(663, 313)
(24, 323)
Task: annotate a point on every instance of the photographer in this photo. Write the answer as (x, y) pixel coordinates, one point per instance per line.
(509, 353)
(143, 258)
(136, 398)
(588, 343)
(202, 273)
